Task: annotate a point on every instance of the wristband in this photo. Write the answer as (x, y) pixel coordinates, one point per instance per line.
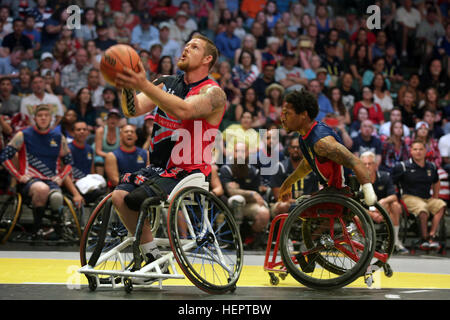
(369, 194)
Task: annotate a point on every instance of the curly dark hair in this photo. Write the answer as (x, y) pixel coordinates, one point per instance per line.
(303, 100)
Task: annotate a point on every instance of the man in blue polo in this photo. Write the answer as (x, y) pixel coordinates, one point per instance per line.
(417, 177)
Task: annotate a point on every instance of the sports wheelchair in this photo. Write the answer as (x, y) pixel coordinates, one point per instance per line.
(201, 234)
(328, 241)
(16, 221)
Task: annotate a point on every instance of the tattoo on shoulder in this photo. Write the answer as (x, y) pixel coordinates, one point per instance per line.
(17, 141)
(217, 96)
(329, 148)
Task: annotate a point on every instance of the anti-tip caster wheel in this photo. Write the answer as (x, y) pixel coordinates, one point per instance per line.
(128, 285)
(388, 272)
(92, 283)
(274, 280)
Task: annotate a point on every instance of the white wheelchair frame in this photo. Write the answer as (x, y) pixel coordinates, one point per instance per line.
(153, 269)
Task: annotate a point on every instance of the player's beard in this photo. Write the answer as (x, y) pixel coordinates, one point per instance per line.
(183, 65)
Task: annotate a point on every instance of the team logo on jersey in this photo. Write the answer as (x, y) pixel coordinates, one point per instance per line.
(429, 173)
(140, 159)
(53, 143)
(89, 156)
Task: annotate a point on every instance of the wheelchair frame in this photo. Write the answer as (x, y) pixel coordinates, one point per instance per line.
(274, 265)
(18, 198)
(152, 271)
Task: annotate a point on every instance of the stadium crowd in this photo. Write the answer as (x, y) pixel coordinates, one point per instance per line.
(381, 88)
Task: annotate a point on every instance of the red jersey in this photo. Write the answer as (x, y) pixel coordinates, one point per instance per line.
(196, 137)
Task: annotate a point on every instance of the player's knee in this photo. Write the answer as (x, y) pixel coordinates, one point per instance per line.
(55, 200)
(134, 199)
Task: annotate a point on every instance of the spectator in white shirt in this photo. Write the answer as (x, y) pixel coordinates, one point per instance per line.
(39, 96)
(407, 18)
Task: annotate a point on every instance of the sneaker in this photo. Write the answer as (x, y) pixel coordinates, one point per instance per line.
(433, 244)
(400, 249)
(149, 258)
(425, 245)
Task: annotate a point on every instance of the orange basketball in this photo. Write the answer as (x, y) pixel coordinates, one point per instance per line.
(115, 58)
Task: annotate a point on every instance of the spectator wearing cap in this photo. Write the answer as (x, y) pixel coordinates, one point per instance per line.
(17, 38)
(10, 65)
(331, 61)
(107, 139)
(144, 33)
(290, 76)
(424, 134)
(305, 51)
(74, 76)
(38, 97)
(169, 46)
(103, 41)
(87, 30)
(179, 31)
(110, 101)
(273, 102)
(227, 42)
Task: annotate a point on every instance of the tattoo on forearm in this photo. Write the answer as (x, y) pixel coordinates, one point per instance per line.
(17, 141)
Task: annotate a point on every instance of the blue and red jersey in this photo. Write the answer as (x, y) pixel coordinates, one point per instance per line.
(329, 172)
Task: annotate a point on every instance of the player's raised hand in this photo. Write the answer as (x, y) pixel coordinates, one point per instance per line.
(131, 79)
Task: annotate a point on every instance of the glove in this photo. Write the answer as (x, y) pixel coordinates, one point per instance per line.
(127, 102)
(369, 194)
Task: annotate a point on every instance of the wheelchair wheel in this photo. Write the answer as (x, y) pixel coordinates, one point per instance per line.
(385, 241)
(103, 232)
(10, 210)
(327, 241)
(71, 229)
(205, 240)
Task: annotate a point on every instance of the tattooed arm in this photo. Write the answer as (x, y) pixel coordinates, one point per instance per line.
(329, 148)
(7, 155)
(208, 104)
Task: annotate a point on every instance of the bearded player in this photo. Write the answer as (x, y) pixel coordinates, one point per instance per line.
(184, 102)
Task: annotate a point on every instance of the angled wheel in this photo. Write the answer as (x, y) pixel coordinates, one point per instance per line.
(10, 210)
(385, 241)
(103, 232)
(327, 241)
(205, 240)
(70, 225)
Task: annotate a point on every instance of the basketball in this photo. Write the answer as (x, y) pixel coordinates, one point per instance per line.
(117, 57)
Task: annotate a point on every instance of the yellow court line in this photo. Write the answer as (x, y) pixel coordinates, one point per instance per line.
(59, 271)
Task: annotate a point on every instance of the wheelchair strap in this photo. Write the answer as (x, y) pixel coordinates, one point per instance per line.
(159, 192)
